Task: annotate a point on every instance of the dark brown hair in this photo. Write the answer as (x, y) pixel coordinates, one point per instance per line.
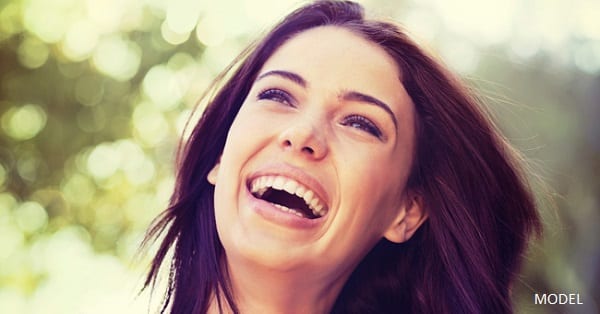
(481, 212)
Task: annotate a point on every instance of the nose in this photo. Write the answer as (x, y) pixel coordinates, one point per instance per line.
(304, 138)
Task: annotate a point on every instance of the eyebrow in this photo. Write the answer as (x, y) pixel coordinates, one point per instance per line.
(346, 95)
(287, 75)
(360, 97)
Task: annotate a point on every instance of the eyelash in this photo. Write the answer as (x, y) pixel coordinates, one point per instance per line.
(277, 95)
(355, 121)
(363, 124)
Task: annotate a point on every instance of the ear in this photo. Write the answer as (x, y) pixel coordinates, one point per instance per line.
(410, 217)
(211, 177)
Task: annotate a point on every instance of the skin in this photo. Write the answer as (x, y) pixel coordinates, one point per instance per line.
(279, 262)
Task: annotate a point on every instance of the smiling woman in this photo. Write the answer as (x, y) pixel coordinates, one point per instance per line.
(340, 169)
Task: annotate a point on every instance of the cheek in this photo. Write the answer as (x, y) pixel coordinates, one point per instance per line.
(373, 181)
(373, 168)
(244, 132)
(249, 127)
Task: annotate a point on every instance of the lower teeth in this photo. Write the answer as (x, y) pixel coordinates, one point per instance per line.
(289, 210)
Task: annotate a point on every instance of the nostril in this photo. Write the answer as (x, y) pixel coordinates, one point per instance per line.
(307, 147)
(308, 150)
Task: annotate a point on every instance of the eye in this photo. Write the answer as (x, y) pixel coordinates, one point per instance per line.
(278, 95)
(363, 124)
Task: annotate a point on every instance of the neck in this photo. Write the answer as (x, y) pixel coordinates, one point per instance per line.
(260, 290)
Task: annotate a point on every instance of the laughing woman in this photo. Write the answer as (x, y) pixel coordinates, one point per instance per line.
(340, 169)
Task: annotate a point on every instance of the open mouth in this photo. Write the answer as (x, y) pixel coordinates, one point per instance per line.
(289, 196)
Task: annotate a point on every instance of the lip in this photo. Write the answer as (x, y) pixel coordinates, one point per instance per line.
(272, 213)
(292, 172)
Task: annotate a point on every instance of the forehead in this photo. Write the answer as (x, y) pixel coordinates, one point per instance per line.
(335, 48)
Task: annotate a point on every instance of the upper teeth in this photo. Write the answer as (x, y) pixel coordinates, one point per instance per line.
(260, 185)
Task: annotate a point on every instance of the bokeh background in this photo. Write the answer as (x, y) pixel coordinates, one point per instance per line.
(94, 95)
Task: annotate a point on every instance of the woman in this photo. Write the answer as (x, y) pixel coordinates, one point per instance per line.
(340, 169)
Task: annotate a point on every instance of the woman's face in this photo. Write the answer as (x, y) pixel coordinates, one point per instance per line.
(315, 165)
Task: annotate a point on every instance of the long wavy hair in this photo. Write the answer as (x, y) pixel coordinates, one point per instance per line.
(463, 259)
